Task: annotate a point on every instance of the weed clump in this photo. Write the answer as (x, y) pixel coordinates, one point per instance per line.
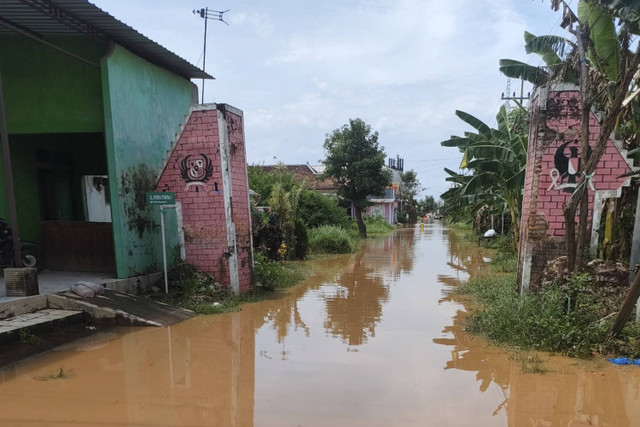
(332, 240)
(199, 291)
(571, 318)
(377, 225)
(61, 374)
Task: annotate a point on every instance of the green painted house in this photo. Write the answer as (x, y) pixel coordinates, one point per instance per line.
(92, 108)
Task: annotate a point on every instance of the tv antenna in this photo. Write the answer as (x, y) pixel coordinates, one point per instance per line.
(207, 14)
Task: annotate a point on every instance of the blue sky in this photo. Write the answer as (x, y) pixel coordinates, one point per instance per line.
(299, 69)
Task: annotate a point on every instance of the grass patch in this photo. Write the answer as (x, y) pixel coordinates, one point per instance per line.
(461, 226)
(505, 258)
(550, 320)
(377, 225)
(530, 363)
(329, 239)
(61, 374)
(572, 319)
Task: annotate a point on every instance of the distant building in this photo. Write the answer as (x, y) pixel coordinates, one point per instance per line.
(388, 206)
(312, 175)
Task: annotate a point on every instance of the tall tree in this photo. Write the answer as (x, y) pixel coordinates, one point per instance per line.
(356, 161)
(410, 188)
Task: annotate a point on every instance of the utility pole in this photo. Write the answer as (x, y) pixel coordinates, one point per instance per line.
(207, 14)
(519, 99)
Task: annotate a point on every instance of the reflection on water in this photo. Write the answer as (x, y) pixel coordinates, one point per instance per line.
(372, 339)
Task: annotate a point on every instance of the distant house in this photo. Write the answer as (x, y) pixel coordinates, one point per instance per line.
(388, 206)
(312, 175)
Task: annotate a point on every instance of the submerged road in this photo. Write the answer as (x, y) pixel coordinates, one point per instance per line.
(373, 339)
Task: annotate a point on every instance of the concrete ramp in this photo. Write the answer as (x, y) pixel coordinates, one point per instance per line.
(121, 308)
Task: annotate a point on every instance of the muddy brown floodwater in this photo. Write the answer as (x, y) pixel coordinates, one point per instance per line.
(374, 339)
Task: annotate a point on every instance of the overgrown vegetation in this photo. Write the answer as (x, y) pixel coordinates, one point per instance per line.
(61, 374)
(377, 225)
(199, 291)
(333, 240)
(529, 363)
(572, 318)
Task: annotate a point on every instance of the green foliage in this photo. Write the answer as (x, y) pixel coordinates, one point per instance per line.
(196, 290)
(315, 209)
(356, 161)
(427, 205)
(301, 247)
(262, 182)
(270, 274)
(549, 320)
(605, 48)
(505, 260)
(332, 240)
(553, 50)
(188, 280)
(497, 161)
(377, 225)
(572, 318)
(409, 190)
(284, 205)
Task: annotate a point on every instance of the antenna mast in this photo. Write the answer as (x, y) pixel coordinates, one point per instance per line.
(206, 14)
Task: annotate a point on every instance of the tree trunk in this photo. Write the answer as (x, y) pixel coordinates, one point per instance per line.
(627, 307)
(580, 197)
(362, 228)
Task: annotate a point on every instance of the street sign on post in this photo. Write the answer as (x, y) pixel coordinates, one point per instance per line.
(165, 200)
(161, 198)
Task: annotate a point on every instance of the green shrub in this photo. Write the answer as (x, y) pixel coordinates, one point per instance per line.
(332, 240)
(377, 225)
(271, 274)
(316, 210)
(302, 240)
(505, 260)
(561, 319)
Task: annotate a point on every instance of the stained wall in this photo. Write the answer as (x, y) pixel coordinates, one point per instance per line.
(553, 172)
(207, 171)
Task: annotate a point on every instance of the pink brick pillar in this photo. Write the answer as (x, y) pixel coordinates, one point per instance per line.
(552, 174)
(208, 172)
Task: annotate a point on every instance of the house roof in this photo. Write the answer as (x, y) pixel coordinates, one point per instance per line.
(314, 180)
(42, 18)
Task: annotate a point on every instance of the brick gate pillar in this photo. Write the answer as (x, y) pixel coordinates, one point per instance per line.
(552, 174)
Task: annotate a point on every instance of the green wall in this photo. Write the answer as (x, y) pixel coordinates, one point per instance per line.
(144, 106)
(47, 91)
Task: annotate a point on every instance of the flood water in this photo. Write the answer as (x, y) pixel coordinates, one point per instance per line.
(373, 339)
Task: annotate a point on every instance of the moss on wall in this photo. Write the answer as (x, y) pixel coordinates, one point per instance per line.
(144, 107)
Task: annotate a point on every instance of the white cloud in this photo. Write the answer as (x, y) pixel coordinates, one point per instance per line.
(301, 69)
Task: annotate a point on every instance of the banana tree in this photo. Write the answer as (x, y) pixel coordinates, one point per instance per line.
(555, 51)
(497, 161)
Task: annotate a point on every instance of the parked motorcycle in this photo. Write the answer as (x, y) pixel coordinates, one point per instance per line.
(30, 257)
